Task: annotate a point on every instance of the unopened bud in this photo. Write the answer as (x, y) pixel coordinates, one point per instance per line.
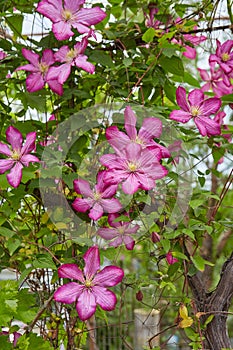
(139, 295)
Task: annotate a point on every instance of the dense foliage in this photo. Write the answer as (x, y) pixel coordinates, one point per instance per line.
(115, 169)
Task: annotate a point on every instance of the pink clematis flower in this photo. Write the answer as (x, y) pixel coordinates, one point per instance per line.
(39, 68)
(68, 14)
(119, 233)
(90, 290)
(199, 108)
(188, 41)
(224, 57)
(151, 128)
(98, 200)
(150, 20)
(214, 81)
(136, 167)
(19, 156)
(170, 258)
(2, 55)
(69, 58)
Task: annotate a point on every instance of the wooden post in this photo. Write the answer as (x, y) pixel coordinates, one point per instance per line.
(146, 324)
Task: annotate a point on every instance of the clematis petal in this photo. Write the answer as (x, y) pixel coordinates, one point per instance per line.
(81, 62)
(60, 74)
(35, 82)
(117, 139)
(151, 127)
(196, 97)
(62, 30)
(4, 149)
(204, 74)
(92, 262)
(6, 164)
(86, 304)
(28, 68)
(207, 126)
(71, 271)
(131, 184)
(180, 116)
(210, 106)
(107, 233)
(73, 5)
(68, 293)
(109, 276)
(29, 145)
(50, 9)
(55, 86)
(82, 205)
(48, 57)
(14, 137)
(117, 242)
(105, 298)
(15, 175)
(129, 242)
(111, 205)
(133, 151)
(109, 191)
(83, 187)
(31, 56)
(61, 54)
(227, 46)
(130, 123)
(190, 52)
(27, 158)
(89, 16)
(96, 211)
(181, 98)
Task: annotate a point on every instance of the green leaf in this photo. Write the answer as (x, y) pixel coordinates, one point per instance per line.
(12, 245)
(196, 203)
(4, 343)
(188, 78)
(102, 58)
(172, 65)
(165, 244)
(148, 36)
(127, 62)
(218, 153)
(15, 22)
(44, 261)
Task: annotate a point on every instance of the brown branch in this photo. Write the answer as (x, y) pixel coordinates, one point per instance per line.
(39, 313)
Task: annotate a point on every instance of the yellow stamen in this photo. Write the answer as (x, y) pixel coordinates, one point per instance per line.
(225, 57)
(121, 230)
(132, 166)
(15, 155)
(66, 15)
(43, 67)
(88, 284)
(139, 141)
(97, 196)
(194, 111)
(71, 55)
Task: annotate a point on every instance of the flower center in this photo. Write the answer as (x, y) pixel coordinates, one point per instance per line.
(97, 196)
(132, 166)
(225, 57)
(66, 15)
(195, 111)
(88, 283)
(15, 155)
(71, 55)
(139, 141)
(121, 230)
(43, 67)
